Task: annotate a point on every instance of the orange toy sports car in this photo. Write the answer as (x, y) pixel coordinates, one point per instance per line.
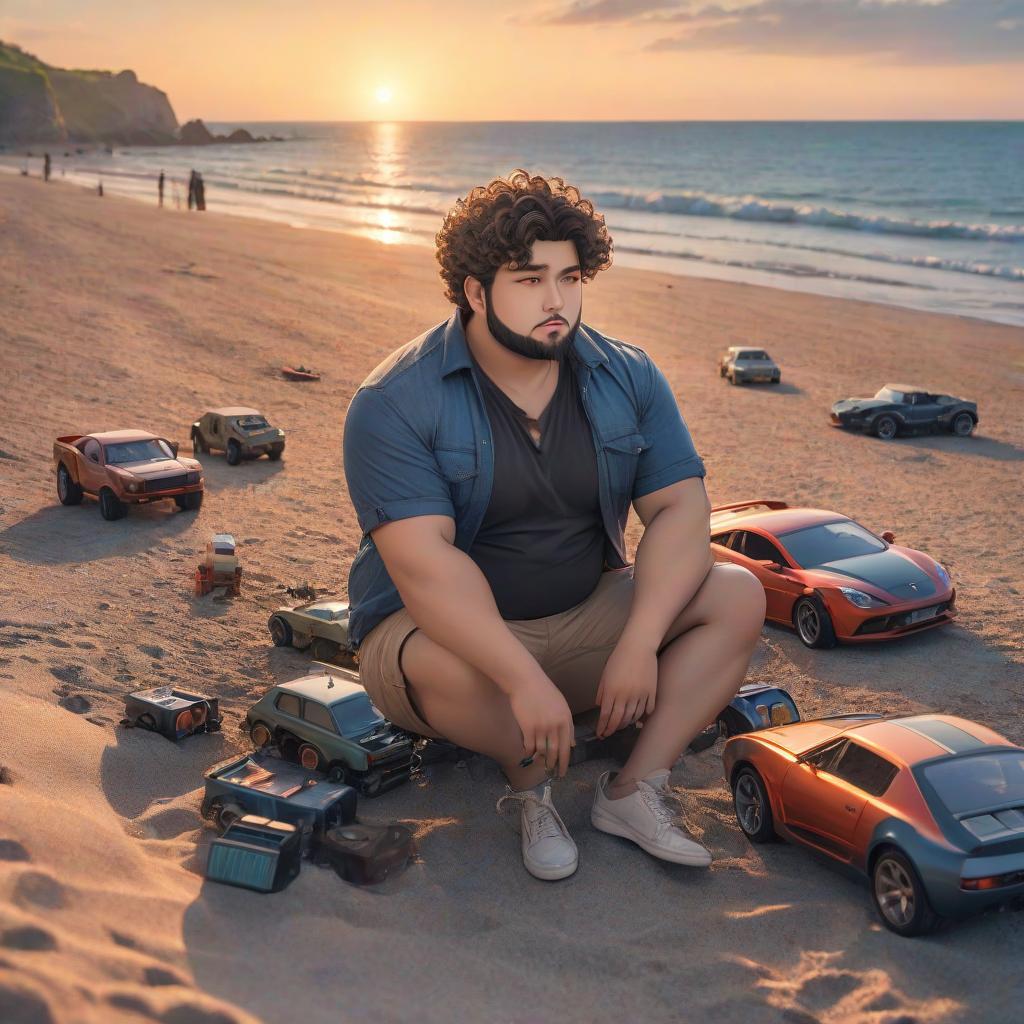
(829, 577)
(929, 807)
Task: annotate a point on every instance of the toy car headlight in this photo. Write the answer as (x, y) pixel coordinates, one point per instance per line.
(280, 432)
(134, 486)
(943, 575)
(859, 598)
(193, 477)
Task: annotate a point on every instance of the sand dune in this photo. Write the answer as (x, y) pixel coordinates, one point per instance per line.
(113, 314)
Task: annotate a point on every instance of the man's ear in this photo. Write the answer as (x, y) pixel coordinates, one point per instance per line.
(475, 295)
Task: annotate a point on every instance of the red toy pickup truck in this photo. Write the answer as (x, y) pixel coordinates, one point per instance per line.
(122, 468)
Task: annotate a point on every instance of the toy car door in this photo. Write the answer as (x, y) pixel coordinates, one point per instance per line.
(780, 589)
(924, 411)
(818, 805)
(93, 472)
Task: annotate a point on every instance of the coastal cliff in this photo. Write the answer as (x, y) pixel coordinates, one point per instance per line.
(40, 103)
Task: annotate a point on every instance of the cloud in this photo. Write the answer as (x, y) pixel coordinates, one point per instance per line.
(937, 32)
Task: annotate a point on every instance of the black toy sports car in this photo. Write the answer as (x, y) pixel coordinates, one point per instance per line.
(898, 409)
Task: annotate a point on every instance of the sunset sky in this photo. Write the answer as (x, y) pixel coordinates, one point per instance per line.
(459, 60)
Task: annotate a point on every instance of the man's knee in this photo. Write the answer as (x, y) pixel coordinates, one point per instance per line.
(742, 596)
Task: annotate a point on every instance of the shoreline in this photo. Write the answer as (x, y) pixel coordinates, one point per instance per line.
(308, 210)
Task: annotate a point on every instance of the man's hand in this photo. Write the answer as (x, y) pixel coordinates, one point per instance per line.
(545, 720)
(628, 686)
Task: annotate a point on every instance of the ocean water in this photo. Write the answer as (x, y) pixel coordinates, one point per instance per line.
(927, 215)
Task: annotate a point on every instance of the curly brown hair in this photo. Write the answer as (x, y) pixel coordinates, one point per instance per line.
(497, 224)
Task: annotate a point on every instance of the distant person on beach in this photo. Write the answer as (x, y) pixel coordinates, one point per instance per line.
(200, 193)
(46, 167)
(492, 463)
(191, 189)
(160, 189)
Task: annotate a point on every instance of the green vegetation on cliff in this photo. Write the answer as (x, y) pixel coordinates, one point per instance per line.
(39, 103)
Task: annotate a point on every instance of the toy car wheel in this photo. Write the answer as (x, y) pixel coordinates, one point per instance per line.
(198, 444)
(309, 757)
(189, 502)
(276, 451)
(337, 773)
(111, 507)
(813, 625)
(226, 814)
(963, 424)
(68, 491)
(721, 371)
(753, 808)
(899, 895)
(705, 738)
(233, 453)
(323, 650)
(777, 380)
(886, 428)
(280, 631)
(260, 735)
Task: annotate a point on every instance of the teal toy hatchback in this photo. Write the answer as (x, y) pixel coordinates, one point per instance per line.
(326, 723)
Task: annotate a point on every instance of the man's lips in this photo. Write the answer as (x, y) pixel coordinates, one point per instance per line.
(553, 323)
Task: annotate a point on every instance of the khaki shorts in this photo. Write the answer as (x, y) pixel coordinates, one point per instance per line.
(572, 647)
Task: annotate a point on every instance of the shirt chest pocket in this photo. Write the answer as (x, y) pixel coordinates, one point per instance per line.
(622, 456)
(459, 467)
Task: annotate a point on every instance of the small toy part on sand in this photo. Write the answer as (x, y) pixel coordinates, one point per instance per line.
(256, 853)
(220, 566)
(299, 373)
(366, 854)
(172, 712)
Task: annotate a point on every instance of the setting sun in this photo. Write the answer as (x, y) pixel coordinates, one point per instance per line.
(384, 94)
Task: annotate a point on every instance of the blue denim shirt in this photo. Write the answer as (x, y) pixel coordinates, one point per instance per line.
(418, 442)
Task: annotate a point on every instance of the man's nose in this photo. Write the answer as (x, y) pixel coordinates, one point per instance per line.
(553, 298)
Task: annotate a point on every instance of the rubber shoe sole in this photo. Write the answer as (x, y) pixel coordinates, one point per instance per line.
(551, 874)
(607, 823)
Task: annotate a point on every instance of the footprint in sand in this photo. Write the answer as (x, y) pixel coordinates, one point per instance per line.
(74, 675)
(28, 938)
(162, 976)
(76, 703)
(152, 651)
(38, 889)
(11, 849)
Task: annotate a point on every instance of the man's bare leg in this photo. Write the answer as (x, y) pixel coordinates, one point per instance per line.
(699, 670)
(465, 707)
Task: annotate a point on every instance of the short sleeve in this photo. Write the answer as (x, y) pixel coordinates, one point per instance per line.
(390, 469)
(670, 455)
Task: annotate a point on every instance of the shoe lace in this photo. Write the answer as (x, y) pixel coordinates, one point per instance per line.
(664, 805)
(543, 820)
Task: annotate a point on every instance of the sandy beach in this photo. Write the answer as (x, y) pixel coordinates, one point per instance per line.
(114, 314)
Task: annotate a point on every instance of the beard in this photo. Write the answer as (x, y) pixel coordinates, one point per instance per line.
(523, 344)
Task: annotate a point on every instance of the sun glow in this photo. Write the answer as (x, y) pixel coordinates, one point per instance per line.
(384, 93)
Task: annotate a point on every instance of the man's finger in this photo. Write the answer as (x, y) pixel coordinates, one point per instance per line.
(630, 713)
(563, 749)
(602, 721)
(615, 718)
(650, 705)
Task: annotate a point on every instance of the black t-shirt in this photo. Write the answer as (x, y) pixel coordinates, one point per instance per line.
(541, 543)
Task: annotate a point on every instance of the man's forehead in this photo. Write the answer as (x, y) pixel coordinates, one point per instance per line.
(548, 255)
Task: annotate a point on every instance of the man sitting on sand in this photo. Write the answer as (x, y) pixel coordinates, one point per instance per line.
(492, 462)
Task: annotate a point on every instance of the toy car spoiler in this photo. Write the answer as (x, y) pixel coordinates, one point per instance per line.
(734, 506)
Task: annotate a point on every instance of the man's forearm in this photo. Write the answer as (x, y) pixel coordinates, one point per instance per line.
(449, 598)
(672, 561)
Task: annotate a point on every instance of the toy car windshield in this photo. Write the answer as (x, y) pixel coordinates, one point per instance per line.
(889, 395)
(251, 423)
(981, 782)
(137, 451)
(830, 542)
(357, 716)
(751, 354)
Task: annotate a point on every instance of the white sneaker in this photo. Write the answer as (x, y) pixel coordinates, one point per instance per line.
(647, 818)
(548, 849)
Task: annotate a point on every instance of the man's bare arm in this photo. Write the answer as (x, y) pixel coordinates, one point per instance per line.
(672, 560)
(450, 600)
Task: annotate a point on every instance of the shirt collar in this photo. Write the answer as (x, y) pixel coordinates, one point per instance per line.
(457, 355)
